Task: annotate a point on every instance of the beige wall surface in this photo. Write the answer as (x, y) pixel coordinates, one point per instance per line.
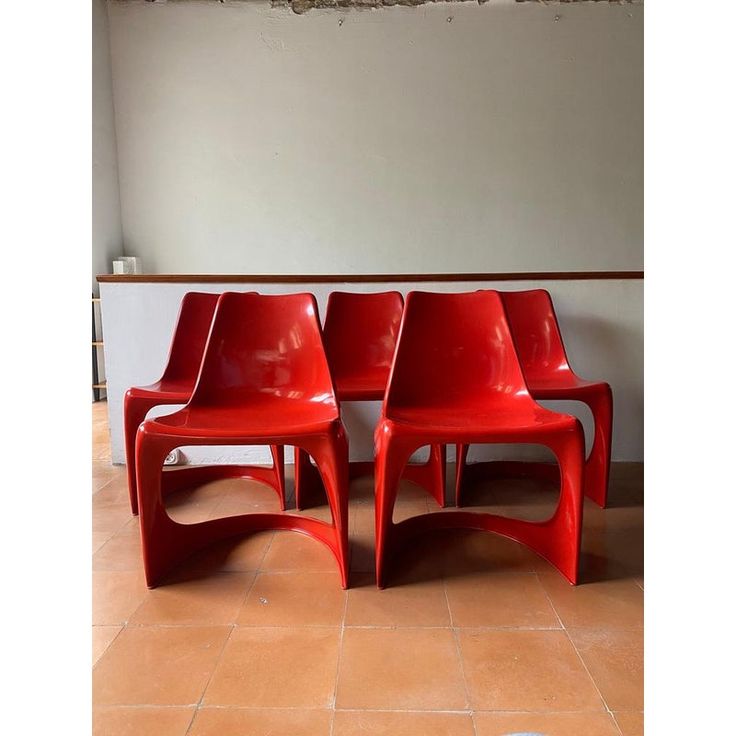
(107, 233)
(254, 140)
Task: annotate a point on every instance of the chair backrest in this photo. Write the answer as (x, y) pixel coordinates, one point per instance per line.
(360, 334)
(190, 336)
(264, 345)
(453, 349)
(536, 333)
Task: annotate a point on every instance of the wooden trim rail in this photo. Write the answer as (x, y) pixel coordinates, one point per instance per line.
(354, 278)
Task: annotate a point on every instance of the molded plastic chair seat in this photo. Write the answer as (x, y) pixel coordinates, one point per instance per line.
(520, 418)
(175, 387)
(456, 378)
(270, 418)
(170, 390)
(563, 385)
(360, 337)
(367, 387)
(548, 375)
(261, 350)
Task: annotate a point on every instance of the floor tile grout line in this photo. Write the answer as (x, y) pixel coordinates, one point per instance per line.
(339, 659)
(102, 547)
(215, 506)
(248, 591)
(94, 493)
(592, 679)
(107, 648)
(579, 656)
(219, 658)
(209, 679)
(278, 708)
(195, 711)
(456, 639)
(549, 600)
(387, 627)
(466, 711)
(616, 723)
(266, 550)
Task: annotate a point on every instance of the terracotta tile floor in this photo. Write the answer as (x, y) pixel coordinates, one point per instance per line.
(476, 637)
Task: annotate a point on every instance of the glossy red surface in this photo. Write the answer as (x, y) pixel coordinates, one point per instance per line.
(456, 378)
(360, 336)
(175, 387)
(264, 379)
(360, 333)
(548, 374)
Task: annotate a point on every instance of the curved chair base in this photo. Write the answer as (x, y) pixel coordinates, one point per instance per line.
(136, 408)
(595, 473)
(192, 476)
(174, 542)
(543, 538)
(166, 543)
(557, 539)
(468, 473)
(431, 476)
(597, 468)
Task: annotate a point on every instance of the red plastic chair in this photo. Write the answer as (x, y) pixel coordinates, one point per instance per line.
(360, 337)
(548, 375)
(175, 387)
(264, 380)
(456, 378)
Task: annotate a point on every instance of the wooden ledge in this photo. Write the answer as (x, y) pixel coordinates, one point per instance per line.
(362, 278)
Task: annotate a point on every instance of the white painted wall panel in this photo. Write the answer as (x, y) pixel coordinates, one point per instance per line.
(601, 323)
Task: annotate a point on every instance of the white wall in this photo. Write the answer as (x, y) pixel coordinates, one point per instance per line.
(253, 140)
(600, 321)
(107, 232)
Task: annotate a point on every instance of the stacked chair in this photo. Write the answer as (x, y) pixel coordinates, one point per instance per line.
(449, 369)
(360, 333)
(548, 374)
(175, 387)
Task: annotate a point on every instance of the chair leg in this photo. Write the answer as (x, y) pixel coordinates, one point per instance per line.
(308, 486)
(391, 457)
(158, 531)
(331, 456)
(134, 412)
(562, 533)
(598, 465)
(461, 456)
(277, 453)
(430, 475)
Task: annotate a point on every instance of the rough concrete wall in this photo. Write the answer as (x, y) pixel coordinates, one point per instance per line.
(301, 6)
